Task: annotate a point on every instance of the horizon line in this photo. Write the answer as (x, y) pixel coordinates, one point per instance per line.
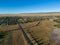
(30, 13)
(33, 12)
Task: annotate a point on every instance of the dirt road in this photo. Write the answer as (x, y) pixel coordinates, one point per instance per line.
(55, 36)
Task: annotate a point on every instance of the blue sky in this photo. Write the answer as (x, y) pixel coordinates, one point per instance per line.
(28, 6)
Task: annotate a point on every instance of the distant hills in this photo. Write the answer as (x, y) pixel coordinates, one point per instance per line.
(33, 14)
(41, 13)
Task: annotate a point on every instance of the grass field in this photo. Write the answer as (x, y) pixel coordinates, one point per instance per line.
(14, 36)
(40, 35)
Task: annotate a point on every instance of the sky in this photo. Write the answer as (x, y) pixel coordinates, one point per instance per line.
(28, 6)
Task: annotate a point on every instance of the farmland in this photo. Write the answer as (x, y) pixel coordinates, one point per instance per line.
(31, 30)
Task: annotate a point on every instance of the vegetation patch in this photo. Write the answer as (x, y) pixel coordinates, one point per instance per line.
(41, 33)
(2, 34)
(58, 25)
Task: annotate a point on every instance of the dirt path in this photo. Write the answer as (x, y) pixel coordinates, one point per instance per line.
(55, 36)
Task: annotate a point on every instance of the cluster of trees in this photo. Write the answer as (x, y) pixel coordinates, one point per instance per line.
(2, 34)
(26, 20)
(58, 20)
(8, 20)
(15, 20)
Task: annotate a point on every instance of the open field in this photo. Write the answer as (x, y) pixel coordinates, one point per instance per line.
(8, 28)
(14, 36)
(31, 29)
(40, 35)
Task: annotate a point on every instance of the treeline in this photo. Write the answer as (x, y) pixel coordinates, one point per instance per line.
(26, 20)
(57, 20)
(15, 20)
(8, 20)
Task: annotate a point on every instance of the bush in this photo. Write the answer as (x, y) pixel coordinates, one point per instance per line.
(2, 34)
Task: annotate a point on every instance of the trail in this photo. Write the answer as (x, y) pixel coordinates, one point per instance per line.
(55, 36)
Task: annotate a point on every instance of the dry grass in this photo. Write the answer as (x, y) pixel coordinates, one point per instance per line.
(28, 25)
(43, 31)
(9, 27)
(14, 37)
